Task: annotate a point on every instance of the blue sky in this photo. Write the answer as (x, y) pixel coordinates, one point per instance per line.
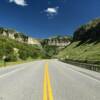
(44, 18)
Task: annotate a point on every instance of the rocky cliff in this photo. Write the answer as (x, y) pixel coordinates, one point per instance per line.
(60, 41)
(18, 36)
(88, 32)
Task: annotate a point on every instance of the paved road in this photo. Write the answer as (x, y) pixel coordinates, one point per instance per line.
(48, 80)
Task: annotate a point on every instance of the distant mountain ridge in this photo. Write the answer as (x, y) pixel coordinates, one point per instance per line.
(18, 36)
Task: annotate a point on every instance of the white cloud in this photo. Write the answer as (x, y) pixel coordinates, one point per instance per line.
(51, 11)
(19, 2)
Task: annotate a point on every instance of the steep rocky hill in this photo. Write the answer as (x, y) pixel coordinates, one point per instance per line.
(60, 41)
(18, 36)
(86, 44)
(88, 32)
(54, 44)
(16, 46)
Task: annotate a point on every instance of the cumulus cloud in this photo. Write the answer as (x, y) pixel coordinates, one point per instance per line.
(50, 12)
(19, 2)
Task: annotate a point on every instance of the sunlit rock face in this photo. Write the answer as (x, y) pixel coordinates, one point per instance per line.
(57, 41)
(10, 33)
(33, 41)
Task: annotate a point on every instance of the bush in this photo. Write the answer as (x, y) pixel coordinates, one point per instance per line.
(11, 58)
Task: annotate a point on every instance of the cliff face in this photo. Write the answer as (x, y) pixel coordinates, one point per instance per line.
(86, 44)
(18, 36)
(90, 31)
(57, 41)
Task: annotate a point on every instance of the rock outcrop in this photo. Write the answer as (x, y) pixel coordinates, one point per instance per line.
(18, 36)
(88, 32)
(59, 41)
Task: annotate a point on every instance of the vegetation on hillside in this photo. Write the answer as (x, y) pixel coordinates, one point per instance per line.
(54, 44)
(86, 44)
(14, 50)
(50, 51)
(87, 52)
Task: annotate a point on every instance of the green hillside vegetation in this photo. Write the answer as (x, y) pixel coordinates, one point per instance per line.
(86, 44)
(14, 50)
(50, 51)
(50, 45)
(85, 52)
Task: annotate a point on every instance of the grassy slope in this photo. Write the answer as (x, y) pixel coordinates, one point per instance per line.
(90, 52)
(14, 63)
(6, 43)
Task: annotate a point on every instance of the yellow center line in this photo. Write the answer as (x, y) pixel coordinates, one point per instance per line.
(47, 90)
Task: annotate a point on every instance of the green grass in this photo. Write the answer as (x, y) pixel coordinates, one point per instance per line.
(14, 63)
(85, 51)
(24, 51)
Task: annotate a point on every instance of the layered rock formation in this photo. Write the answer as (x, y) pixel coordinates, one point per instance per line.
(57, 41)
(18, 36)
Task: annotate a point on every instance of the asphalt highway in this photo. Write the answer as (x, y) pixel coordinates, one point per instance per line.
(48, 80)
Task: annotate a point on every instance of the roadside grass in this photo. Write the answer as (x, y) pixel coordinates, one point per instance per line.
(15, 63)
(83, 52)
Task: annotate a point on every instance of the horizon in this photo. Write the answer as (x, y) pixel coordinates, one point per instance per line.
(43, 19)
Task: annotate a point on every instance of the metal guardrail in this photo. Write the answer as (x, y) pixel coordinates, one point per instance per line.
(94, 67)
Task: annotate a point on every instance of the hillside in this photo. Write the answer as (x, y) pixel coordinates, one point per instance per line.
(18, 36)
(84, 52)
(86, 44)
(88, 32)
(53, 45)
(60, 41)
(14, 50)
(16, 46)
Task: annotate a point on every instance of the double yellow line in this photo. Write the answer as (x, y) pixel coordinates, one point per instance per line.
(47, 90)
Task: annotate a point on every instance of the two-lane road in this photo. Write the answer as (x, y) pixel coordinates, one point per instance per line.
(48, 80)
